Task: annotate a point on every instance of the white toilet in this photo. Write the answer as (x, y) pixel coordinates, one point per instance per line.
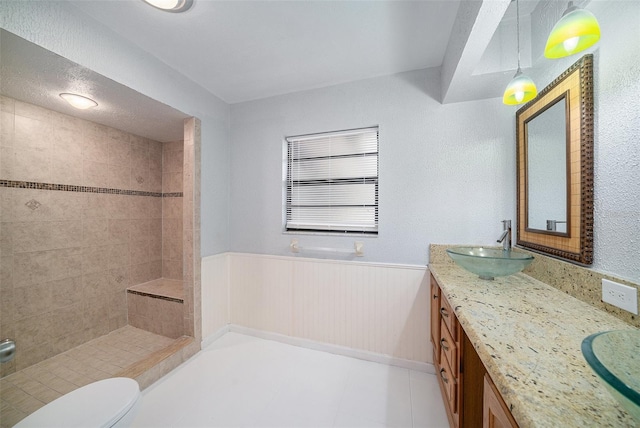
(106, 403)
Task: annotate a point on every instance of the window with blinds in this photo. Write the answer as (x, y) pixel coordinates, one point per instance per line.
(332, 182)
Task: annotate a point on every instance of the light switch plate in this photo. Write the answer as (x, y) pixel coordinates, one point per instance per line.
(620, 295)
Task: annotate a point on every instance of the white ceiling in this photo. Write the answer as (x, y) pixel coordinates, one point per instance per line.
(244, 50)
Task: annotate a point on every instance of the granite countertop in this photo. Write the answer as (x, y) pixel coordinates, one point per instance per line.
(528, 335)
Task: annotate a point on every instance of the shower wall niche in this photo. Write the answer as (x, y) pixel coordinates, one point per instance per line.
(81, 220)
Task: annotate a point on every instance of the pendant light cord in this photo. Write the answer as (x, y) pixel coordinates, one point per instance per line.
(518, 30)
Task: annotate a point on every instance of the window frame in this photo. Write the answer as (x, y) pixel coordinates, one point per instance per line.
(365, 231)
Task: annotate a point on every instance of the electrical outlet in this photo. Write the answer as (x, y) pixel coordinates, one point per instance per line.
(620, 295)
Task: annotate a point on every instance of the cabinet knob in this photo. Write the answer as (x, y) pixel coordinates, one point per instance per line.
(444, 312)
(444, 344)
(443, 377)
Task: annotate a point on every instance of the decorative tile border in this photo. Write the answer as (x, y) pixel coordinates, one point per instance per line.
(156, 296)
(172, 195)
(83, 189)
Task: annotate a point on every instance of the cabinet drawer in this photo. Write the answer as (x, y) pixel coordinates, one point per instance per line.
(448, 316)
(449, 349)
(450, 386)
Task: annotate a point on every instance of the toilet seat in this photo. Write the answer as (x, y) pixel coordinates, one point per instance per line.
(99, 404)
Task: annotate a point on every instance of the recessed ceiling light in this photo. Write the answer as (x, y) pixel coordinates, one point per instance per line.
(78, 101)
(171, 5)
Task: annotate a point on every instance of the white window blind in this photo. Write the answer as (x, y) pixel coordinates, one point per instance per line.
(332, 182)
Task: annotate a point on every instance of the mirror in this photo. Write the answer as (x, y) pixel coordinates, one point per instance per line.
(546, 147)
(555, 167)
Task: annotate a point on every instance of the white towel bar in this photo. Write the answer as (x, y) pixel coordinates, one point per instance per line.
(358, 249)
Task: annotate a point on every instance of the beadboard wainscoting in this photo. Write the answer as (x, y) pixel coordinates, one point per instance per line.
(377, 309)
(215, 296)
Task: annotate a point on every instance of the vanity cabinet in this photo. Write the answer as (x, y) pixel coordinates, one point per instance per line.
(435, 319)
(445, 336)
(471, 399)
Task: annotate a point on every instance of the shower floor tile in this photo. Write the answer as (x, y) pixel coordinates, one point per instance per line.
(27, 390)
(245, 381)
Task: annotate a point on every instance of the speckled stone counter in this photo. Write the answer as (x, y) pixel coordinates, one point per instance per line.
(528, 335)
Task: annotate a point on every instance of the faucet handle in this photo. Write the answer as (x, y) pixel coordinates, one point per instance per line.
(505, 238)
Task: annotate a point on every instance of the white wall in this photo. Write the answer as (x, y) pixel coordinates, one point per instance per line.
(447, 172)
(62, 29)
(617, 129)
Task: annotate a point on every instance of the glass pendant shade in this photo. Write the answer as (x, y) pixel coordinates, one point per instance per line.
(577, 30)
(520, 90)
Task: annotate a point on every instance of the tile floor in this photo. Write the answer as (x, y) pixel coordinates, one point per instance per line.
(245, 381)
(25, 391)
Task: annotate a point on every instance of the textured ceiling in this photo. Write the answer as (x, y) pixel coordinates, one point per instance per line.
(244, 50)
(35, 75)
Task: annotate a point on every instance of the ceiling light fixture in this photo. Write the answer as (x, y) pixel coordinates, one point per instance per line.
(175, 6)
(577, 30)
(521, 88)
(78, 101)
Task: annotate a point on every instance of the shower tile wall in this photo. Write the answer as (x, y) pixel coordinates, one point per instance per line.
(172, 154)
(191, 230)
(68, 255)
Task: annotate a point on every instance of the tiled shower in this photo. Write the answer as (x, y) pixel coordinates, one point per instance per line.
(86, 212)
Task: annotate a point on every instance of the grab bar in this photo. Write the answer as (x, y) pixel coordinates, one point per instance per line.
(358, 249)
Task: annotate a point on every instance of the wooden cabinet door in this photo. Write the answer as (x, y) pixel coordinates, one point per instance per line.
(495, 412)
(435, 319)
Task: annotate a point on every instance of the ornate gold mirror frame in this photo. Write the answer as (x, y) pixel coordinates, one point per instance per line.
(575, 85)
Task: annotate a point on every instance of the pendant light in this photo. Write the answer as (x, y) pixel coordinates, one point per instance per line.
(521, 88)
(577, 30)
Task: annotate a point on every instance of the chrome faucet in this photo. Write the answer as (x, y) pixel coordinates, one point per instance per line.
(505, 238)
